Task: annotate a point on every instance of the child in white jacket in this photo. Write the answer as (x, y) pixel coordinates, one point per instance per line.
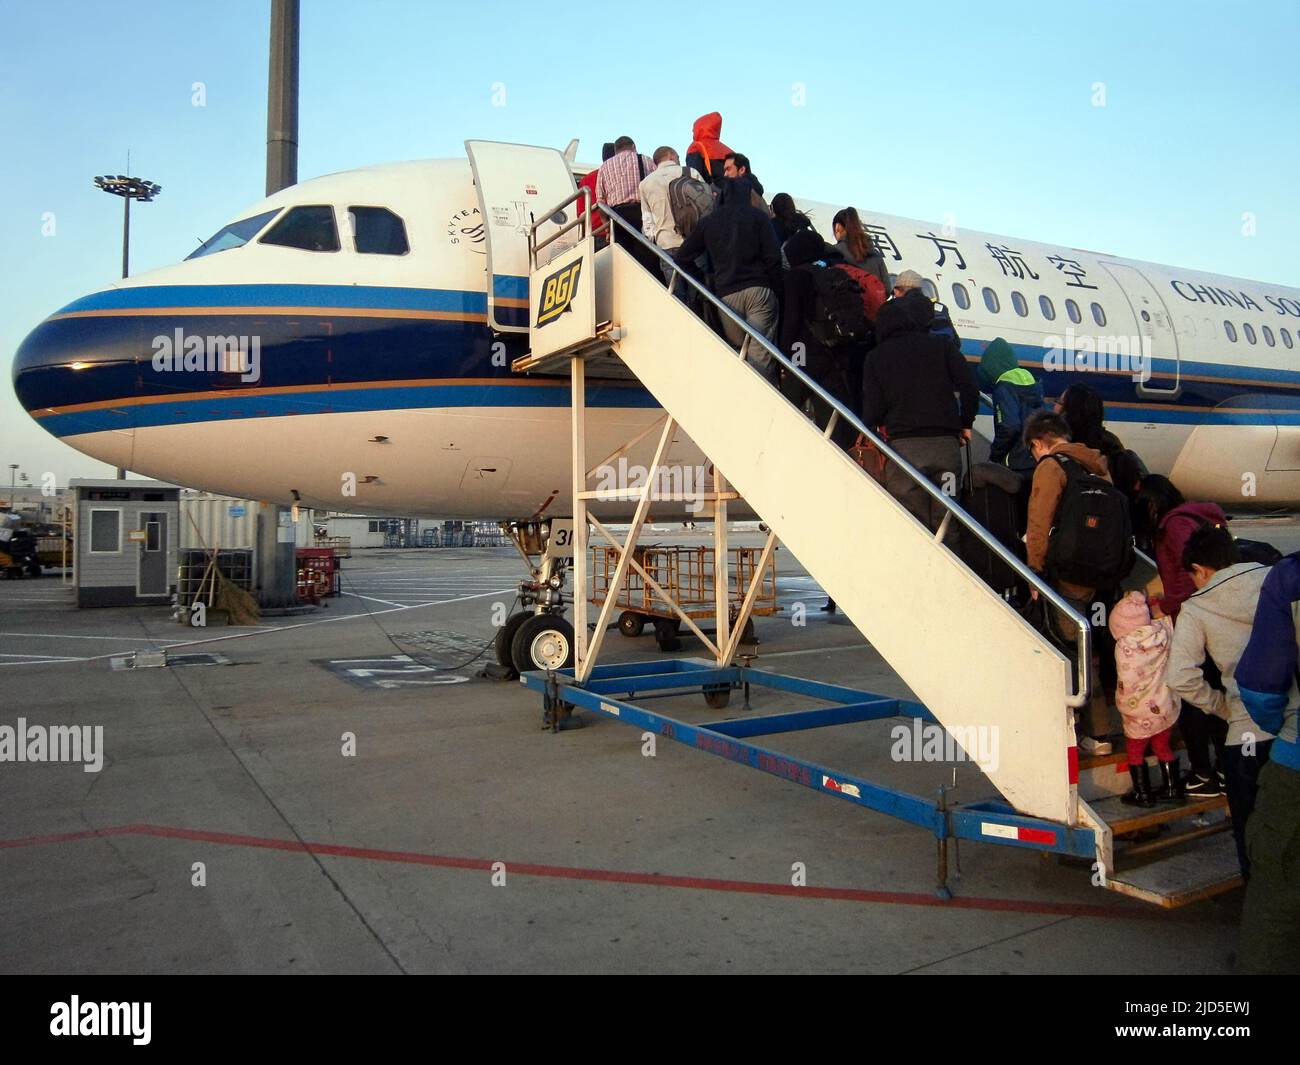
(1148, 707)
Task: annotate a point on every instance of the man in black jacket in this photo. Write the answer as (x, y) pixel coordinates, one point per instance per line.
(825, 365)
(934, 315)
(746, 263)
(908, 386)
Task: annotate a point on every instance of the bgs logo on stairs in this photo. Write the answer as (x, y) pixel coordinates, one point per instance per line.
(558, 291)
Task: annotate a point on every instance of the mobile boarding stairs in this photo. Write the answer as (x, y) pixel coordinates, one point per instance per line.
(973, 662)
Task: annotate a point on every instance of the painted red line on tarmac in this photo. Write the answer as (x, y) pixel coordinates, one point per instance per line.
(614, 876)
(68, 837)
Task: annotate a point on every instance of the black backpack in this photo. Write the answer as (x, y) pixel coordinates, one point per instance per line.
(840, 310)
(1092, 541)
(1256, 551)
(1259, 552)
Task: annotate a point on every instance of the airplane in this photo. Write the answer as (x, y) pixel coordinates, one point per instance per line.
(347, 342)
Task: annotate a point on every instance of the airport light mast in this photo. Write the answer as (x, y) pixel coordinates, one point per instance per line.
(129, 188)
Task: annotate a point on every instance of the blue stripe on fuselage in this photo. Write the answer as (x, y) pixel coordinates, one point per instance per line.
(114, 353)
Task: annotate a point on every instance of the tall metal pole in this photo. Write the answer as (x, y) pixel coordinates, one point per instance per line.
(282, 98)
(277, 561)
(126, 269)
(126, 235)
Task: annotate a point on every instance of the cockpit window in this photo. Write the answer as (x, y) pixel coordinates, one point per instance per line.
(308, 228)
(234, 235)
(378, 231)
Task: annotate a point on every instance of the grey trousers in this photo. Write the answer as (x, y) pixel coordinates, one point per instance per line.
(758, 307)
(939, 458)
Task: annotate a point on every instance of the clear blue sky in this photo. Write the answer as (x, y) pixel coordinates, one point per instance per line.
(981, 110)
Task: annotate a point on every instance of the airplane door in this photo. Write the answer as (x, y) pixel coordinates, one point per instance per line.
(515, 184)
(1154, 323)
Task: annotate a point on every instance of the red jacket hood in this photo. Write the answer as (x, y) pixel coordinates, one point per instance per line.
(707, 127)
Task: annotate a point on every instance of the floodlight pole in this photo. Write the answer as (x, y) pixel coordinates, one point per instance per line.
(126, 235)
(129, 188)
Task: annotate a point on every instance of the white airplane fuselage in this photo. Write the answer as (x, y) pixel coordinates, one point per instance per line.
(380, 387)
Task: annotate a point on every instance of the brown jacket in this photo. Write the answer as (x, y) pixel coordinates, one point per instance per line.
(1045, 497)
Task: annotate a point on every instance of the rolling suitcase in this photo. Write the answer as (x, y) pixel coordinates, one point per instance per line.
(989, 495)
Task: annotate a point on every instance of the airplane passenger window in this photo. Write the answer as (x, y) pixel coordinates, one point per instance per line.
(1230, 331)
(1268, 337)
(929, 288)
(1019, 303)
(960, 296)
(1098, 315)
(308, 228)
(1048, 308)
(1249, 330)
(1286, 337)
(235, 235)
(991, 300)
(1072, 309)
(378, 231)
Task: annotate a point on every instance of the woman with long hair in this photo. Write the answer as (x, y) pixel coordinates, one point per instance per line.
(854, 243)
(787, 219)
(1165, 520)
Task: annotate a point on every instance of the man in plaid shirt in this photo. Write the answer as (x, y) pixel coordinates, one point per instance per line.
(618, 183)
(619, 180)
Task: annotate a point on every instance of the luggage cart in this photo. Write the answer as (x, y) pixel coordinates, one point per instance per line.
(688, 575)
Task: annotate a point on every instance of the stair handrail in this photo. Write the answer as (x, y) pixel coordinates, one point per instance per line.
(615, 222)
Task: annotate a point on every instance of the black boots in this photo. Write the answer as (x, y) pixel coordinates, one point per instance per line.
(1141, 793)
(1171, 788)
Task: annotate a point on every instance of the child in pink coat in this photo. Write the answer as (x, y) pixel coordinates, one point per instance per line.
(1148, 707)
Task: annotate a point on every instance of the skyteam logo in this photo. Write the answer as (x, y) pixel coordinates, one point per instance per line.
(558, 291)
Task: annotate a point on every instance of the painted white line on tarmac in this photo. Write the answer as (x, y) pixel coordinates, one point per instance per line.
(373, 599)
(270, 630)
(62, 636)
(327, 621)
(812, 651)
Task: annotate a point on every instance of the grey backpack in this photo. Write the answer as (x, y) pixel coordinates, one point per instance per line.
(690, 200)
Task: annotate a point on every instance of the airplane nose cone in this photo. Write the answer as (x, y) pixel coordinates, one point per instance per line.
(76, 376)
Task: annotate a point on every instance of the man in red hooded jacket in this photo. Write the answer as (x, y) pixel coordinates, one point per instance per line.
(707, 154)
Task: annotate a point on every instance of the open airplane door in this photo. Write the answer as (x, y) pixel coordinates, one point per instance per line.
(515, 184)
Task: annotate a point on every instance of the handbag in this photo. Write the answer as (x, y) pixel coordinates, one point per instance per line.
(869, 457)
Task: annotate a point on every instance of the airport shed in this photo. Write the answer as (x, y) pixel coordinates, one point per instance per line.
(126, 540)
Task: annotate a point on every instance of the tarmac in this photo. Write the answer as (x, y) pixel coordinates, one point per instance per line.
(341, 792)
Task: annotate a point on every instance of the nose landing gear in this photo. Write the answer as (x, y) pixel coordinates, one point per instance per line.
(539, 636)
